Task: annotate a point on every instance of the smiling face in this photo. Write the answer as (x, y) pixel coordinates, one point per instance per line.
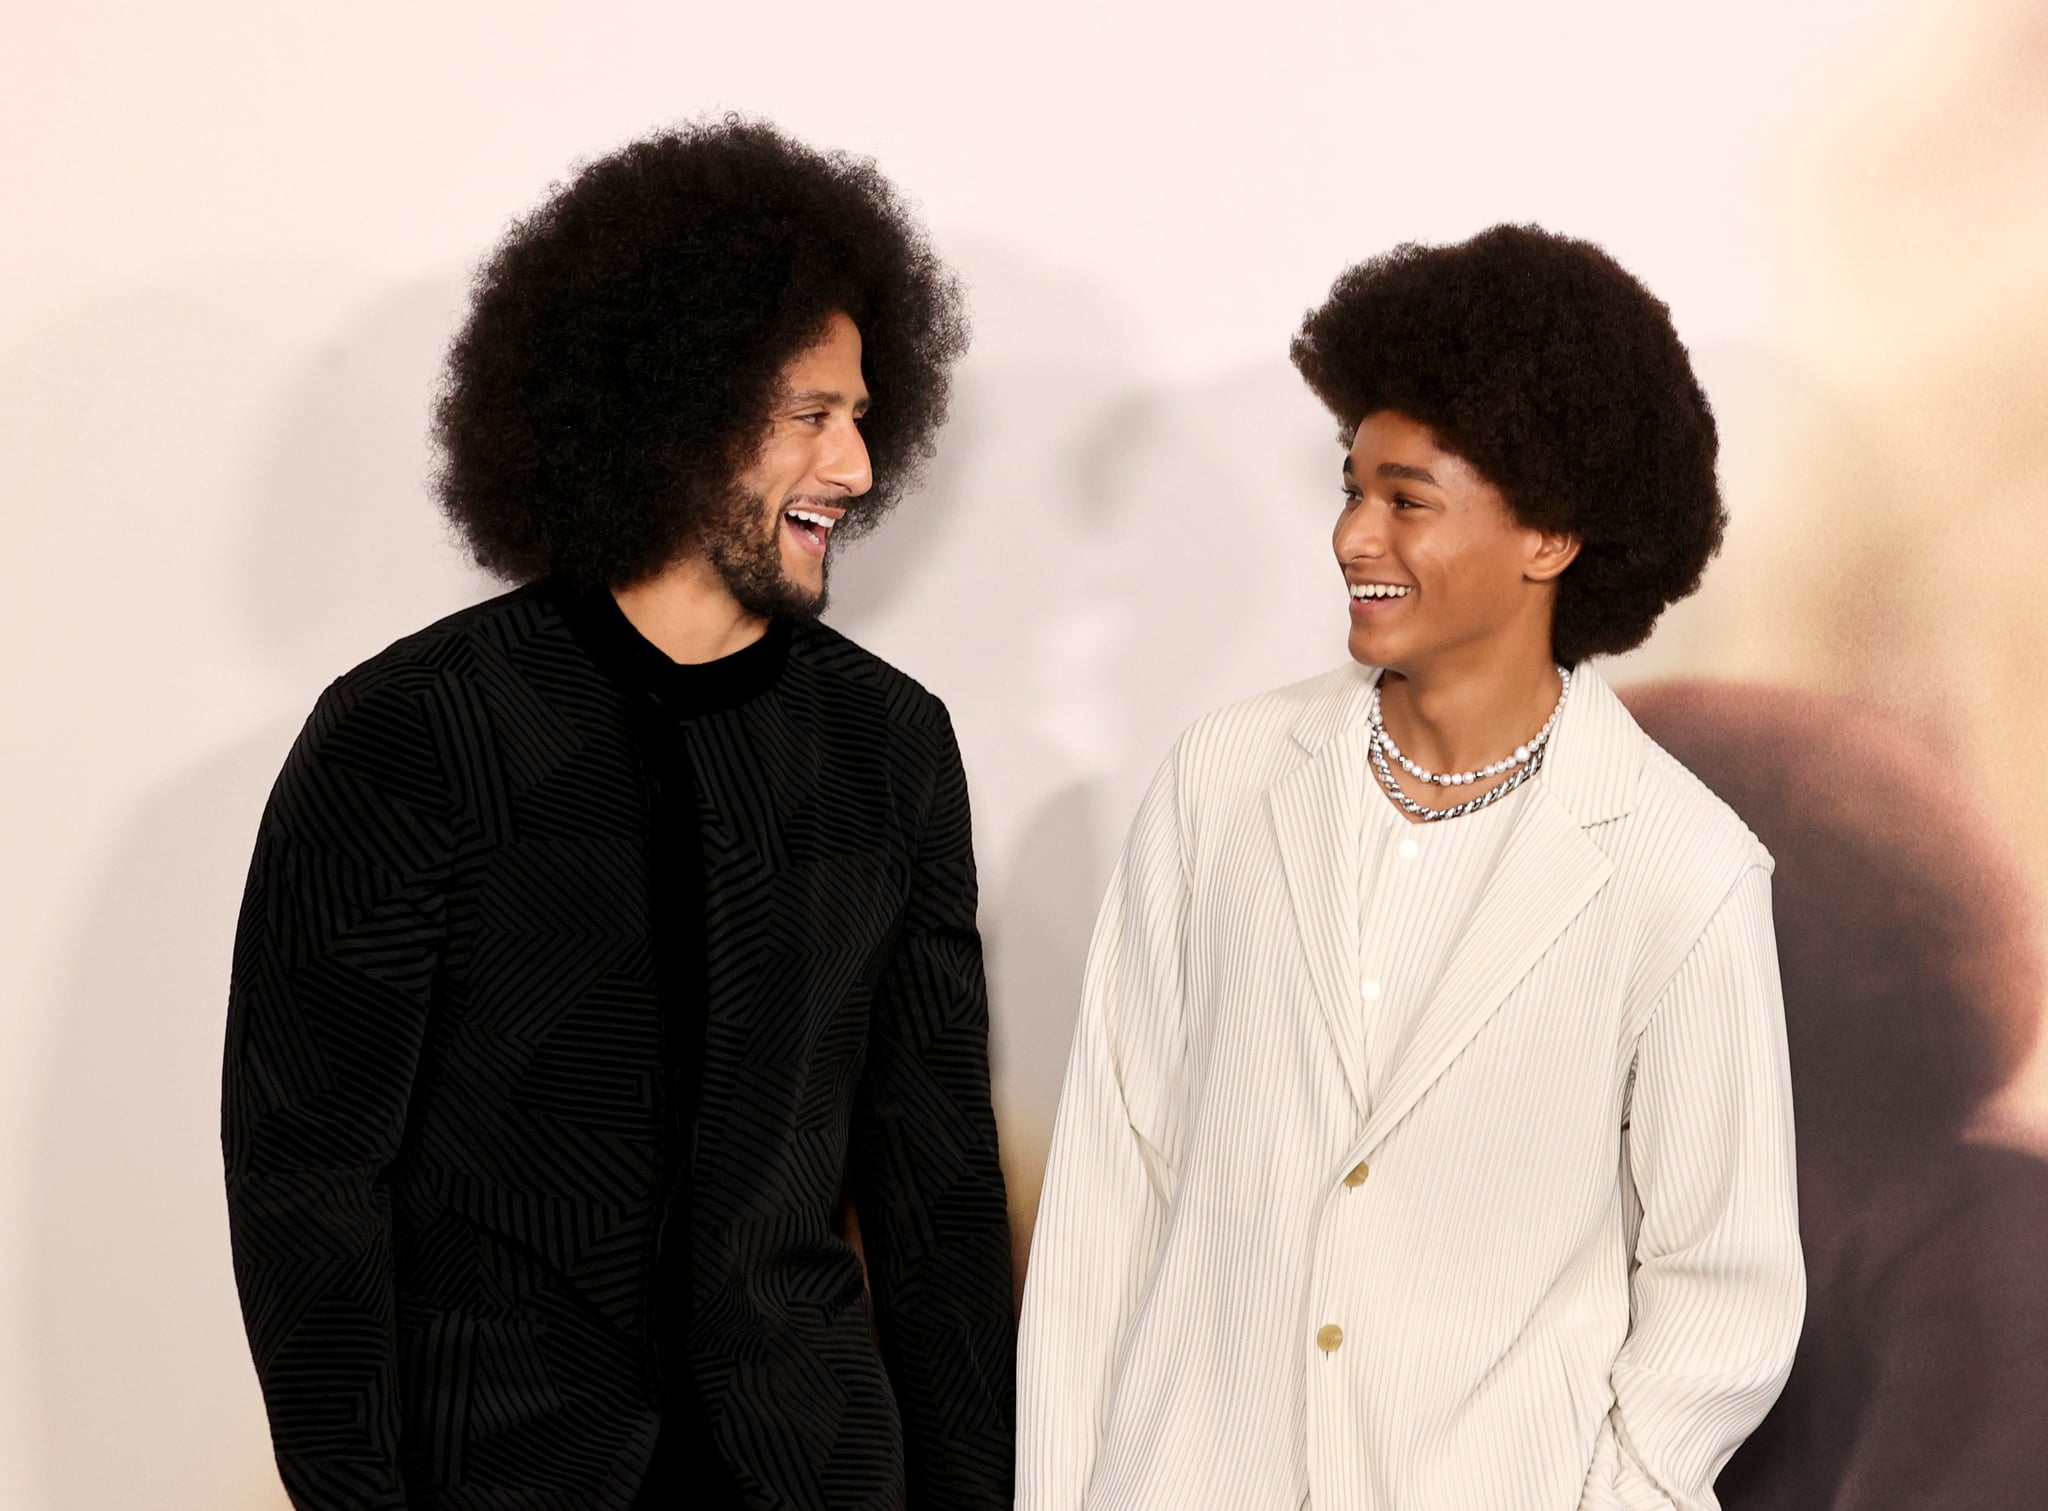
(1442, 575)
(771, 543)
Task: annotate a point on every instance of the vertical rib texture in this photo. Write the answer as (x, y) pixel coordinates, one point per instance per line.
(1421, 883)
(1570, 1274)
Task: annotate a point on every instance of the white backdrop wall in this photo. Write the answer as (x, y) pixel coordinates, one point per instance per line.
(238, 236)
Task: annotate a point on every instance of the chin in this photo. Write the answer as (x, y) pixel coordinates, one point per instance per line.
(802, 579)
(1368, 649)
(805, 593)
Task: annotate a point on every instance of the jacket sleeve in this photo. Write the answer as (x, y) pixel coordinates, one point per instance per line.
(1718, 1289)
(928, 1182)
(1111, 1173)
(340, 935)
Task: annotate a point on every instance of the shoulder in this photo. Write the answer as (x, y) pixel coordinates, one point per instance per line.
(1689, 817)
(379, 726)
(445, 650)
(1254, 735)
(1683, 859)
(854, 678)
(1651, 815)
(878, 726)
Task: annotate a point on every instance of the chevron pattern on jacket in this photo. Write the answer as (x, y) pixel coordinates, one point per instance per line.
(443, 1097)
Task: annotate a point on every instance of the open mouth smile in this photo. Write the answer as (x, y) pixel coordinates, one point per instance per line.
(811, 526)
(1369, 600)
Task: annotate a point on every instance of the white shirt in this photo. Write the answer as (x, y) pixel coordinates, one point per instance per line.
(1536, 1249)
(1419, 884)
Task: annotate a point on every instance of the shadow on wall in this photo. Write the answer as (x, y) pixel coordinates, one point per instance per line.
(1095, 560)
(985, 587)
(1211, 506)
(346, 550)
(1913, 993)
(149, 1398)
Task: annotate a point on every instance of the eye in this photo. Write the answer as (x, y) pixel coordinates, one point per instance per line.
(1403, 502)
(817, 418)
(1352, 494)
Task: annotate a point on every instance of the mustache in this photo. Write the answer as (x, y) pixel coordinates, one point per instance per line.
(852, 506)
(858, 513)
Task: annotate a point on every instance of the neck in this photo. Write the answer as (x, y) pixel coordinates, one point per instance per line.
(1465, 718)
(688, 614)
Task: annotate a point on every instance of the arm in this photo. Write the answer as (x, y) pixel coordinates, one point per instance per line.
(1108, 1183)
(1718, 1289)
(341, 929)
(928, 1184)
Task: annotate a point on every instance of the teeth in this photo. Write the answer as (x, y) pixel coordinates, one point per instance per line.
(1377, 590)
(822, 521)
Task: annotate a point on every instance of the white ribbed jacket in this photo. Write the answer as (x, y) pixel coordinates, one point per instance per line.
(1570, 1273)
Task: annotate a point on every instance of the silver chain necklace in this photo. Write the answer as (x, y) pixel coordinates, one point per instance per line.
(1525, 761)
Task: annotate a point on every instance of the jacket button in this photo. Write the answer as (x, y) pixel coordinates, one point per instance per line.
(1329, 1337)
(1355, 1177)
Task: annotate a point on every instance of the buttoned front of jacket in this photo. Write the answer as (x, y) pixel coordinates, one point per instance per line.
(1255, 1279)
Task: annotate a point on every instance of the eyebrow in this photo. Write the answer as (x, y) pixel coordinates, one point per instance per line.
(825, 396)
(1396, 470)
(1408, 474)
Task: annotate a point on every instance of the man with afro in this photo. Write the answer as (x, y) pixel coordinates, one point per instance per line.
(608, 942)
(1427, 1138)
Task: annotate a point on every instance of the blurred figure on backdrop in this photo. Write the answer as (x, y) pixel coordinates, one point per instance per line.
(1427, 1137)
(1912, 995)
(598, 934)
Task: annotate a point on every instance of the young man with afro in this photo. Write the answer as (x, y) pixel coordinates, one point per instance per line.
(1426, 1143)
(601, 936)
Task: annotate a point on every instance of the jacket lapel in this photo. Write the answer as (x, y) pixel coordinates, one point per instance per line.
(1316, 817)
(1547, 873)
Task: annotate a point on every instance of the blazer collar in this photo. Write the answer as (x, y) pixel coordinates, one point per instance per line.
(1549, 870)
(646, 675)
(1595, 763)
(746, 722)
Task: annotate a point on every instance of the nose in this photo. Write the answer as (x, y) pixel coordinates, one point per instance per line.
(845, 464)
(1360, 534)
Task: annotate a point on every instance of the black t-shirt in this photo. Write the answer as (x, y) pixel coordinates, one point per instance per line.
(666, 695)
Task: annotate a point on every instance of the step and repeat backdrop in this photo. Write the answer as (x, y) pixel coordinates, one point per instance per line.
(240, 237)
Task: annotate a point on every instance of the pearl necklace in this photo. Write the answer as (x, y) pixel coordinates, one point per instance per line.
(1524, 761)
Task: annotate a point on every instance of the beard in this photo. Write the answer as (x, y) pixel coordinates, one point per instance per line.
(743, 542)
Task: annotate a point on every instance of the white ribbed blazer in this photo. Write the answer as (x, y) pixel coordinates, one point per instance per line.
(1566, 1263)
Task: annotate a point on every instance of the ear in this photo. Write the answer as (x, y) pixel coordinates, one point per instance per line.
(1550, 552)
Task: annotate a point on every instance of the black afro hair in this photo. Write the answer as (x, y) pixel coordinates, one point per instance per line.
(1543, 363)
(624, 344)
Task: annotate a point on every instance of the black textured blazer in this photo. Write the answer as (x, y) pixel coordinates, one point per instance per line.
(443, 1116)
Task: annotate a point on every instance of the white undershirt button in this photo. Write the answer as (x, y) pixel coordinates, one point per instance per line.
(1369, 989)
(1408, 849)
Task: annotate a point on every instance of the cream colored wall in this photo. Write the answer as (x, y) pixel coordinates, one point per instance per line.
(236, 241)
